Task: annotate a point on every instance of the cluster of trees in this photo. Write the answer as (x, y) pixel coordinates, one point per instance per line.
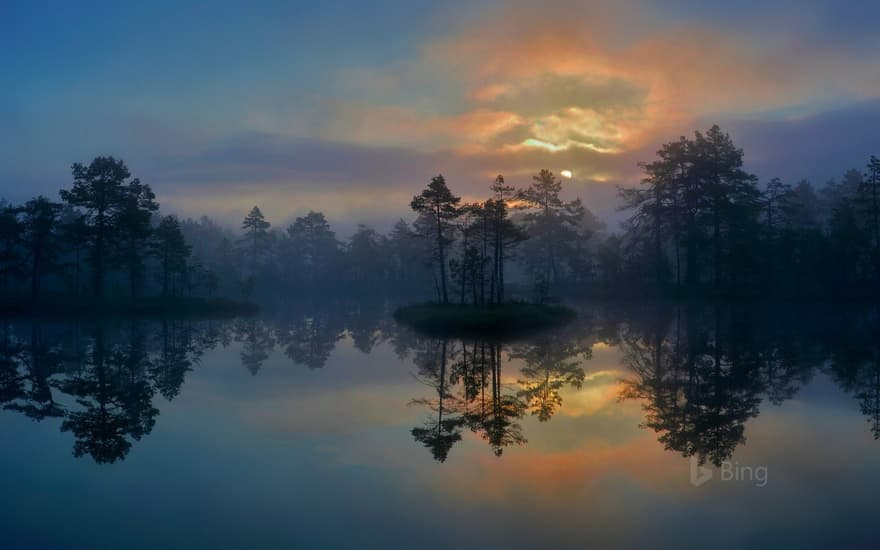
(106, 225)
(461, 252)
(701, 223)
(550, 231)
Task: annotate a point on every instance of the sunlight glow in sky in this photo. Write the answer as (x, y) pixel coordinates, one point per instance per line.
(343, 106)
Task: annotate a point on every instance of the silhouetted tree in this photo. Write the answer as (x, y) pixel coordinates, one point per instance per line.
(169, 246)
(442, 206)
(313, 253)
(505, 234)
(101, 192)
(404, 253)
(10, 251)
(256, 240)
(365, 255)
(869, 201)
(73, 238)
(133, 230)
(40, 228)
(552, 225)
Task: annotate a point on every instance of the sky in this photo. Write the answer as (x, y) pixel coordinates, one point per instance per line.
(350, 107)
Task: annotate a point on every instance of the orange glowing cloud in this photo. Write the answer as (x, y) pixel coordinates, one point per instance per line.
(563, 79)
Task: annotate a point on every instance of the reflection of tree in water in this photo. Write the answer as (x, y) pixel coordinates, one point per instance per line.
(256, 343)
(310, 339)
(855, 364)
(170, 367)
(470, 393)
(439, 433)
(701, 379)
(34, 393)
(551, 363)
(495, 420)
(115, 398)
(12, 381)
(110, 371)
(365, 322)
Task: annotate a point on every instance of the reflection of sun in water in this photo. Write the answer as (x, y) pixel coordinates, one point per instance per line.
(566, 174)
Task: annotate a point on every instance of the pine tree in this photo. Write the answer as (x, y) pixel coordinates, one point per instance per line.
(169, 246)
(40, 224)
(256, 240)
(442, 206)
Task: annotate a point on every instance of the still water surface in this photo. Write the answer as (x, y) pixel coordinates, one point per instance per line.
(328, 425)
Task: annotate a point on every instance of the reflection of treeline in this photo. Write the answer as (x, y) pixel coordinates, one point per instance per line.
(101, 380)
(699, 223)
(702, 373)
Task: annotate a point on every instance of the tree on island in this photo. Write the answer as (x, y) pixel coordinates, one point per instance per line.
(442, 206)
(506, 234)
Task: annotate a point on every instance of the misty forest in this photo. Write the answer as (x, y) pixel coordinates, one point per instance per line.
(698, 224)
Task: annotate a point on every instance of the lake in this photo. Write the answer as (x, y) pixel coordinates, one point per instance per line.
(326, 424)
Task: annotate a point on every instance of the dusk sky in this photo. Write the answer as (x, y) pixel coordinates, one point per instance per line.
(350, 107)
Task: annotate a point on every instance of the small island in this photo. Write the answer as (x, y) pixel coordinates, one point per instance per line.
(476, 272)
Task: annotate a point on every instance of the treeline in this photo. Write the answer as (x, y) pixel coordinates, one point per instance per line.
(701, 223)
(698, 224)
(105, 228)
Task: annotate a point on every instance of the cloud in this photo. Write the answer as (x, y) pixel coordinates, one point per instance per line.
(582, 75)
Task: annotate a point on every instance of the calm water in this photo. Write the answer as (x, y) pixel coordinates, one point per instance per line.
(332, 426)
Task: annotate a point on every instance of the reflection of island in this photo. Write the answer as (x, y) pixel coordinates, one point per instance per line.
(466, 376)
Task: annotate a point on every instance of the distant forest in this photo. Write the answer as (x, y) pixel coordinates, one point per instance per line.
(697, 225)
